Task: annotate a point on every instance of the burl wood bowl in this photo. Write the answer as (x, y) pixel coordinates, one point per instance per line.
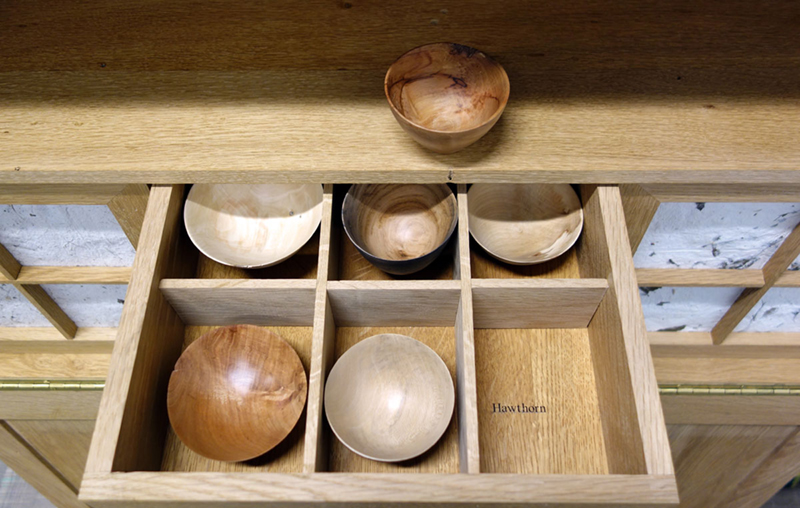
(389, 398)
(252, 226)
(400, 229)
(524, 224)
(236, 392)
(446, 96)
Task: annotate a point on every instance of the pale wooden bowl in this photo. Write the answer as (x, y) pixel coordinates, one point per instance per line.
(389, 398)
(400, 229)
(252, 226)
(524, 224)
(446, 96)
(236, 392)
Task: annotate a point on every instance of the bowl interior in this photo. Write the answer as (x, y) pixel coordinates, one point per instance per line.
(447, 87)
(236, 392)
(252, 226)
(399, 222)
(524, 223)
(389, 398)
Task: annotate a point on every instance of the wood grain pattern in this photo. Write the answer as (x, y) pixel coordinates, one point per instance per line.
(286, 457)
(711, 460)
(773, 269)
(691, 369)
(64, 444)
(128, 207)
(444, 456)
(232, 301)
(549, 368)
(131, 422)
(679, 102)
(17, 454)
(51, 365)
(394, 303)
(640, 207)
(70, 275)
(466, 384)
(679, 339)
(47, 334)
(64, 194)
(730, 409)
(9, 266)
(536, 303)
(724, 192)
(604, 251)
(770, 476)
(49, 404)
(788, 279)
(390, 490)
(700, 277)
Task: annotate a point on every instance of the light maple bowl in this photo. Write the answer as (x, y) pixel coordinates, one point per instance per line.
(524, 224)
(236, 392)
(400, 229)
(252, 226)
(389, 398)
(446, 96)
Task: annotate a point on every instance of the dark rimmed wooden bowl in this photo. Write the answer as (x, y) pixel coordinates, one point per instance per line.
(400, 229)
(236, 392)
(445, 95)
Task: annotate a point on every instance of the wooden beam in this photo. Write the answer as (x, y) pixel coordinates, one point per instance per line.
(47, 334)
(49, 308)
(128, 206)
(9, 266)
(703, 339)
(731, 409)
(640, 208)
(701, 277)
(49, 404)
(71, 275)
(774, 268)
(20, 456)
(721, 192)
(789, 279)
(61, 194)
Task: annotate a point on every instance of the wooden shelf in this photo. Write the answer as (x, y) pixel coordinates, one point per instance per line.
(604, 92)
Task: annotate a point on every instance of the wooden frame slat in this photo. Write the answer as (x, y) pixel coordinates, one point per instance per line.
(731, 409)
(722, 192)
(49, 308)
(70, 275)
(775, 266)
(700, 277)
(128, 206)
(640, 208)
(61, 194)
(49, 404)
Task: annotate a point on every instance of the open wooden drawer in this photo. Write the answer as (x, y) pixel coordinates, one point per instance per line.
(562, 344)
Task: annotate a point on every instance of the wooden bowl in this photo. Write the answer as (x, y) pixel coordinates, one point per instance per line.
(400, 229)
(252, 226)
(524, 224)
(236, 392)
(446, 96)
(389, 398)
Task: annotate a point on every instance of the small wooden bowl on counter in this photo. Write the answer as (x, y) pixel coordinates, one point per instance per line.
(446, 96)
(400, 229)
(524, 224)
(252, 226)
(389, 398)
(236, 392)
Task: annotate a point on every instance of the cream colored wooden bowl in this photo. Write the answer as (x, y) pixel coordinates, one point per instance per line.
(524, 224)
(389, 398)
(236, 392)
(446, 96)
(252, 226)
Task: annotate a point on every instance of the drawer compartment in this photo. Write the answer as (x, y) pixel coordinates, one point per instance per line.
(556, 401)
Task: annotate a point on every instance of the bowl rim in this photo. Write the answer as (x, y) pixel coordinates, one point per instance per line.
(451, 398)
(489, 121)
(453, 222)
(272, 336)
(517, 262)
(259, 265)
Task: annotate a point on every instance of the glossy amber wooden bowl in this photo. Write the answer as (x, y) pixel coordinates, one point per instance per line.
(524, 224)
(400, 229)
(446, 96)
(252, 226)
(389, 398)
(236, 392)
